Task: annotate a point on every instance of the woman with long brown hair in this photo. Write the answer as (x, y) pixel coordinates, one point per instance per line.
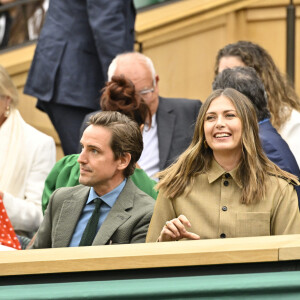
(223, 185)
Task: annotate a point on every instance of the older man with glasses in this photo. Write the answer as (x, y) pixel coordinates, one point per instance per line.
(173, 119)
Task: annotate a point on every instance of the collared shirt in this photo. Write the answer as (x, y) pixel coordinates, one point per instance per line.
(149, 160)
(263, 121)
(108, 200)
(214, 209)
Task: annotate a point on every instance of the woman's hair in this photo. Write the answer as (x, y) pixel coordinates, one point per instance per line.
(7, 87)
(19, 28)
(253, 168)
(119, 95)
(282, 97)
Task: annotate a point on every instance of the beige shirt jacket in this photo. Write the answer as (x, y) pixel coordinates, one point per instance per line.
(214, 210)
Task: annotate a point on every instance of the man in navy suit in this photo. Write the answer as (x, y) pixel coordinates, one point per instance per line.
(77, 43)
(173, 119)
(246, 81)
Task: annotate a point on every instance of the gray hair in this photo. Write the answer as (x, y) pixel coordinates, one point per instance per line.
(139, 56)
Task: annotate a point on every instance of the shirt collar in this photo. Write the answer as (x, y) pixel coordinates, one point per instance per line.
(216, 171)
(153, 123)
(109, 198)
(263, 121)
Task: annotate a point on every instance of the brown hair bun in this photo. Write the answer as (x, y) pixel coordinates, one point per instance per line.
(119, 95)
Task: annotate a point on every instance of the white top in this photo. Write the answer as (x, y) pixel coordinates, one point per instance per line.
(149, 160)
(5, 248)
(26, 158)
(2, 27)
(290, 132)
(36, 20)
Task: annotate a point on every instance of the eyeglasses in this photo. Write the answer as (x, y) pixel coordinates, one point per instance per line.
(146, 94)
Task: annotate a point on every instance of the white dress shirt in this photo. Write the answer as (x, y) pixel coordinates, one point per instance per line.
(149, 160)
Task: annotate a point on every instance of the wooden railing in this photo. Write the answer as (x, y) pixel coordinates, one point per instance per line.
(153, 255)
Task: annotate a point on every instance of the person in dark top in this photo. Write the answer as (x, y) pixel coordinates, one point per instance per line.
(76, 45)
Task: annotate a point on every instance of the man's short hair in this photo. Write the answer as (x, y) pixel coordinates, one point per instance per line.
(126, 136)
(246, 81)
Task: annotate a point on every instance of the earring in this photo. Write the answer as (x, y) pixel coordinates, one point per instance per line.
(205, 144)
(7, 112)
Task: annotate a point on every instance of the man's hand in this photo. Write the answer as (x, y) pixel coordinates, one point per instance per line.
(175, 230)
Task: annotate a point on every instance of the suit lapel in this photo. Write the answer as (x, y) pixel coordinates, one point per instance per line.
(117, 215)
(165, 128)
(69, 216)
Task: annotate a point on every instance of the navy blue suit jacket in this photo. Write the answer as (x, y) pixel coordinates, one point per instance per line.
(278, 151)
(76, 45)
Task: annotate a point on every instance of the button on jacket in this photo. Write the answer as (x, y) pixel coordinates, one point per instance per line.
(214, 209)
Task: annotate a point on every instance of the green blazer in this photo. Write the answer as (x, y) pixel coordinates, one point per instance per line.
(127, 222)
(65, 173)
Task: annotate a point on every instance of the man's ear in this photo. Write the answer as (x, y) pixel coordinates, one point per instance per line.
(156, 84)
(142, 127)
(156, 79)
(124, 161)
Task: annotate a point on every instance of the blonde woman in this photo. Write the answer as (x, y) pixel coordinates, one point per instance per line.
(223, 185)
(26, 157)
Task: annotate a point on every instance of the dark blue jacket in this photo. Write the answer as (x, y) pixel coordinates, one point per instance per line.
(76, 45)
(278, 151)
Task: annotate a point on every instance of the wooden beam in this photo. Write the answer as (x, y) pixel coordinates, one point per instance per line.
(153, 255)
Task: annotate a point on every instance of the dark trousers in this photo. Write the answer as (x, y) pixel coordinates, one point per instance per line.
(66, 121)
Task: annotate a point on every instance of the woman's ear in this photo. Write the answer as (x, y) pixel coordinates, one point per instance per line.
(7, 100)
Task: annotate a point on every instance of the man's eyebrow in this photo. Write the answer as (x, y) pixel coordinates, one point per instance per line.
(93, 146)
(89, 145)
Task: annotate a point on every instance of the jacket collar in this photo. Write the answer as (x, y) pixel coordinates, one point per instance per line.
(117, 216)
(165, 128)
(69, 216)
(73, 206)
